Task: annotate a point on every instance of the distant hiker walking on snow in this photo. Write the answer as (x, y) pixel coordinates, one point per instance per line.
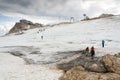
(103, 43)
(87, 51)
(92, 52)
(41, 37)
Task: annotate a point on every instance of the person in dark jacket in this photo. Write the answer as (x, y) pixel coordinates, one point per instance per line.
(103, 43)
(41, 37)
(92, 52)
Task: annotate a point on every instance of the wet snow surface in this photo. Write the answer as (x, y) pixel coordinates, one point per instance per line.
(33, 56)
(14, 68)
(60, 42)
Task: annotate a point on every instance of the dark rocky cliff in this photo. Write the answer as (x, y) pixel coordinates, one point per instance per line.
(24, 25)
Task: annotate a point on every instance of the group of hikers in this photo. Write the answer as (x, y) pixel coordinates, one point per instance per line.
(91, 51)
(41, 31)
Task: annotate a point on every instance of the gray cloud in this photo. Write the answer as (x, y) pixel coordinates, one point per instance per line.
(35, 7)
(18, 2)
(59, 7)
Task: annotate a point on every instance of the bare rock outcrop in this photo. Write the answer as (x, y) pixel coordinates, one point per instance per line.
(99, 17)
(79, 73)
(112, 63)
(85, 61)
(105, 15)
(109, 76)
(24, 25)
(96, 68)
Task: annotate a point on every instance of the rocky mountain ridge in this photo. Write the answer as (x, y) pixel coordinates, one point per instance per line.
(24, 25)
(93, 71)
(99, 17)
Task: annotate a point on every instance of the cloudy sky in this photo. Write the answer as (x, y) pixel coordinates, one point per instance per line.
(48, 10)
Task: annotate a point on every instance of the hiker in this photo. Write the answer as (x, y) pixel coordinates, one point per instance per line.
(87, 51)
(41, 37)
(103, 43)
(37, 31)
(92, 52)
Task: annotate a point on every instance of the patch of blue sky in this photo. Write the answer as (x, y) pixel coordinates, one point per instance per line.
(8, 19)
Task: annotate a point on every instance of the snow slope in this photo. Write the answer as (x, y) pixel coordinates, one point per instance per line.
(64, 38)
(14, 68)
(70, 36)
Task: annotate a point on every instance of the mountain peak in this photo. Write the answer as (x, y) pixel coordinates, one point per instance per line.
(24, 24)
(105, 15)
(99, 17)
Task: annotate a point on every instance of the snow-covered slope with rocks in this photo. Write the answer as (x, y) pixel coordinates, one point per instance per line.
(70, 36)
(60, 39)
